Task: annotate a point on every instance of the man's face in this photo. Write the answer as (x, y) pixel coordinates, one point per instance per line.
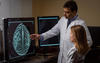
(68, 13)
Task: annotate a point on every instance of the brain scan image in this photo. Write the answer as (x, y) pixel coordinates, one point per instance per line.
(21, 39)
(18, 42)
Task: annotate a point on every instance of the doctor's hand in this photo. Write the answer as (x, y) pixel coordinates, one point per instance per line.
(35, 36)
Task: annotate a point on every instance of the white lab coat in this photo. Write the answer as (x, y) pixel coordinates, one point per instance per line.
(65, 42)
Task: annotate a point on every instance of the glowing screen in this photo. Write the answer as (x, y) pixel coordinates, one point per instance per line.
(18, 42)
(45, 24)
(21, 39)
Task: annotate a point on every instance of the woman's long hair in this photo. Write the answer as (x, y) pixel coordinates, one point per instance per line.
(79, 33)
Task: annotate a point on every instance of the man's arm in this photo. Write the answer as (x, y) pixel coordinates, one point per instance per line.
(52, 32)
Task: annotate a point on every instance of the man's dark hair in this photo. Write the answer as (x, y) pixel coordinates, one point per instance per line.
(71, 5)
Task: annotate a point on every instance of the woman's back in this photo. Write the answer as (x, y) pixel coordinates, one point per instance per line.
(74, 57)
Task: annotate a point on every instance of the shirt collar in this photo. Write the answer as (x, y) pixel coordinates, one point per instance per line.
(73, 18)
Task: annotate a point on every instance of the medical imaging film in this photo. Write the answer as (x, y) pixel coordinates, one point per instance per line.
(18, 38)
(45, 24)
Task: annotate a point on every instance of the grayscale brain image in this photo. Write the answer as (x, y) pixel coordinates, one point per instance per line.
(18, 38)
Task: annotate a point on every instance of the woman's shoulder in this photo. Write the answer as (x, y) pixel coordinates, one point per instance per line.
(77, 58)
(71, 51)
(74, 56)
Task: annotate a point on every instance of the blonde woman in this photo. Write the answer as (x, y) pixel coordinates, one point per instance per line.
(77, 53)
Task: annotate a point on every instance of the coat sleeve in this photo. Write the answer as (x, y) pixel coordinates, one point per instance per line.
(52, 32)
(90, 42)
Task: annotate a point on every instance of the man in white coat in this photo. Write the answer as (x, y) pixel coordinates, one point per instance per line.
(63, 26)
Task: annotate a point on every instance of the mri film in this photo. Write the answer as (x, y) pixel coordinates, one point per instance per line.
(21, 39)
(18, 42)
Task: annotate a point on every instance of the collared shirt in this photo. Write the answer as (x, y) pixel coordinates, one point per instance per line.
(70, 20)
(73, 18)
(41, 38)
